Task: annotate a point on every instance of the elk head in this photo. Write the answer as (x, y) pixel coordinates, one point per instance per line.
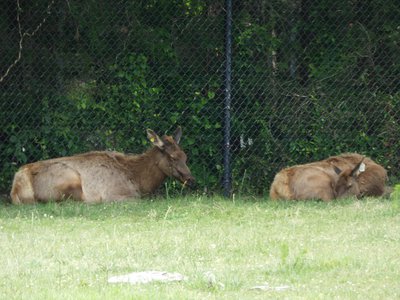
(173, 159)
(347, 183)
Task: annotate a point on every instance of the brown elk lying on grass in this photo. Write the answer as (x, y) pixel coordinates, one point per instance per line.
(103, 176)
(348, 174)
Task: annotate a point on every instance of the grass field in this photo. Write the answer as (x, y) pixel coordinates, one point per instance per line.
(346, 250)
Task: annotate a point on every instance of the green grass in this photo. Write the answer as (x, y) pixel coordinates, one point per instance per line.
(346, 250)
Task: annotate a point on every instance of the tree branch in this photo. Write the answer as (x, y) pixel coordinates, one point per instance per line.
(22, 36)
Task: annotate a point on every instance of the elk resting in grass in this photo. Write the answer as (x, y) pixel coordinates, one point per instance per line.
(345, 175)
(103, 176)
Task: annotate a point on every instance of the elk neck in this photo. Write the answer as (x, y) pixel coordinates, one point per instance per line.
(144, 170)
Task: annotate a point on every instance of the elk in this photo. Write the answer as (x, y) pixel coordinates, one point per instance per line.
(335, 177)
(103, 176)
(315, 182)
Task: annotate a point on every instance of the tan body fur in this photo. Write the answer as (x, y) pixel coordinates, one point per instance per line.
(319, 180)
(100, 176)
(301, 183)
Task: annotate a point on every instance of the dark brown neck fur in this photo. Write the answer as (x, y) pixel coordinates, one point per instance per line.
(143, 169)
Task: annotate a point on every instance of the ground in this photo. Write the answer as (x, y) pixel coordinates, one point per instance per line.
(345, 249)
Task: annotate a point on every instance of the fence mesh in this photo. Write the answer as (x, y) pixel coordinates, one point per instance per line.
(310, 79)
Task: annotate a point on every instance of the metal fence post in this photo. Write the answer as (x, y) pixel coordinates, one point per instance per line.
(227, 103)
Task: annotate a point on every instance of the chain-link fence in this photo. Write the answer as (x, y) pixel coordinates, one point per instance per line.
(309, 79)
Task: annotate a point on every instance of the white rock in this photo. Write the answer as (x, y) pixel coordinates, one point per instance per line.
(146, 277)
(267, 287)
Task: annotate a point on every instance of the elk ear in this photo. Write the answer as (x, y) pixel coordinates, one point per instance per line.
(358, 169)
(337, 170)
(154, 139)
(178, 134)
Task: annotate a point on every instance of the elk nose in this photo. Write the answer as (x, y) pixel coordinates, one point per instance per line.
(190, 181)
